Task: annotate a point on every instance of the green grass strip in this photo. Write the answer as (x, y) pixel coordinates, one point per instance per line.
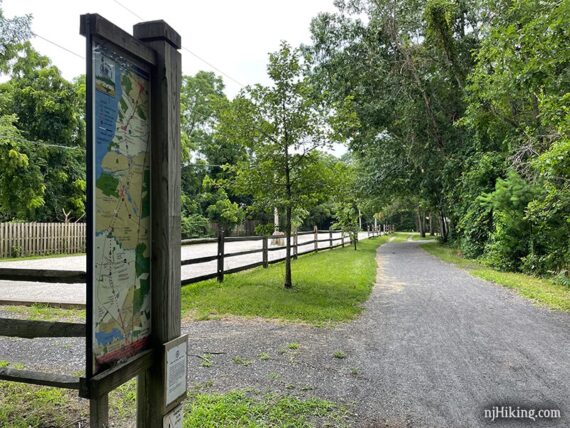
(245, 409)
(329, 286)
(540, 290)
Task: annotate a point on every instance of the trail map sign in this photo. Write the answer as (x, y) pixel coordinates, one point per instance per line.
(121, 206)
(133, 144)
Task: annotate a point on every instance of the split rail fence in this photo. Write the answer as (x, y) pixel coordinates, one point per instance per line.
(30, 329)
(299, 245)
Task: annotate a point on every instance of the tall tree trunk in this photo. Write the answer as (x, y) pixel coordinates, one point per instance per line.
(444, 230)
(288, 279)
(288, 215)
(418, 226)
(431, 232)
(421, 220)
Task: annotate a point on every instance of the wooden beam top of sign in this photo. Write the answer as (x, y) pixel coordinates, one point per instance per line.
(157, 30)
(99, 26)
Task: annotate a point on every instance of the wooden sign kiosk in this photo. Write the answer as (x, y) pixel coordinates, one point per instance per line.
(133, 205)
(133, 230)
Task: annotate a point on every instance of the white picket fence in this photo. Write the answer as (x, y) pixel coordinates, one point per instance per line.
(31, 239)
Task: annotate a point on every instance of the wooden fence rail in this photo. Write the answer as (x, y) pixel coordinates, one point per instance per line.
(37, 239)
(222, 255)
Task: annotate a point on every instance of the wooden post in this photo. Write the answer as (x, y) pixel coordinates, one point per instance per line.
(316, 237)
(165, 213)
(99, 412)
(330, 238)
(221, 255)
(295, 245)
(265, 252)
(342, 238)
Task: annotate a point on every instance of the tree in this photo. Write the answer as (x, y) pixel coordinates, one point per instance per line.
(283, 125)
(49, 112)
(201, 98)
(405, 67)
(219, 207)
(518, 110)
(205, 151)
(13, 32)
(21, 182)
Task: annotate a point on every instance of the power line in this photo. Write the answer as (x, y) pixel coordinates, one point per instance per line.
(213, 66)
(129, 10)
(209, 64)
(200, 164)
(58, 45)
(22, 140)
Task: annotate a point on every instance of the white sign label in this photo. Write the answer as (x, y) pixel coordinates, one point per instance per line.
(173, 419)
(176, 370)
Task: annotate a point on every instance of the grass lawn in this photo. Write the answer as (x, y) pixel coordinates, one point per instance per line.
(541, 290)
(329, 286)
(39, 312)
(31, 406)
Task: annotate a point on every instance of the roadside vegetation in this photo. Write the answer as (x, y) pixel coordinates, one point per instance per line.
(39, 312)
(330, 286)
(31, 406)
(541, 290)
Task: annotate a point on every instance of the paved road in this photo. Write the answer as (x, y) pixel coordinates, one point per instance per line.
(433, 347)
(75, 293)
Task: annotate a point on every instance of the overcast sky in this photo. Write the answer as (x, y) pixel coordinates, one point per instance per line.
(234, 36)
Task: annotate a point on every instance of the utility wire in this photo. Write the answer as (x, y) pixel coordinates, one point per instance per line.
(22, 140)
(200, 164)
(195, 55)
(58, 45)
(209, 64)
(214, 67)
(129, 10)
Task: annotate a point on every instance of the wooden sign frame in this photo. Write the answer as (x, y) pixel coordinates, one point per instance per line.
(155, 44)
(99, 31)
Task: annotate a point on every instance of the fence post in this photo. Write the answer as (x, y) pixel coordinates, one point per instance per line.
(330, 238)
(265, 252)
(295, 245)
(316, 237)
(99, 411)
(342, 238)
(221, 255)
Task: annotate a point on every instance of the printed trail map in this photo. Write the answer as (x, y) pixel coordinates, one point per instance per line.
(121, 283)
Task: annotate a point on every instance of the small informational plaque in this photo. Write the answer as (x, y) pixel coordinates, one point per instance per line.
(174, 418)
(176, 354)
